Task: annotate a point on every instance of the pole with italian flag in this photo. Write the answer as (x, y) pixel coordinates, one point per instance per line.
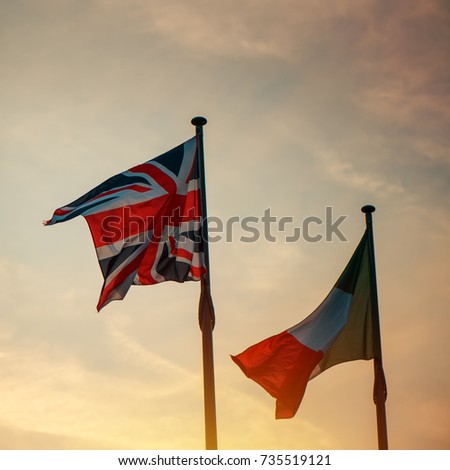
(206, 309)
(344, 327)
(379, 388)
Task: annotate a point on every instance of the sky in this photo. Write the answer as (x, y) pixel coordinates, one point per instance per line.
(310, 104)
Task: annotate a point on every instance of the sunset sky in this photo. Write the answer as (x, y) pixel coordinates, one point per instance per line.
(310, 104)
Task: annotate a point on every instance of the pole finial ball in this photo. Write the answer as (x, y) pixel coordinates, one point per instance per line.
(367, 209)
(199, 121)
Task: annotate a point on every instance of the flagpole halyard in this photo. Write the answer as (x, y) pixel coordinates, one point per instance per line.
(379, 389)
(206, 309)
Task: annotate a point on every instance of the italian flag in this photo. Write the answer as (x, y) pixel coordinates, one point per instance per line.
(339, 330)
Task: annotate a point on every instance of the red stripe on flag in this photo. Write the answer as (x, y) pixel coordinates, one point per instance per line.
(121, 223)
(149, 259)
(157, 174)
(62, 211)
(198, 272)
(181, 253)
(282, 366)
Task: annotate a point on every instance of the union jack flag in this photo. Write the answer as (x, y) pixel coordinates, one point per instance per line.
(145, 223)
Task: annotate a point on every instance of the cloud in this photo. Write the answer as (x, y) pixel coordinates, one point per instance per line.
(132, 351)
(406, 48)
(344, 172)
(236, 28)
(48, 396)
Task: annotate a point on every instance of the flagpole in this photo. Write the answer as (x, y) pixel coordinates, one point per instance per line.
(379, 388)
(206, 309)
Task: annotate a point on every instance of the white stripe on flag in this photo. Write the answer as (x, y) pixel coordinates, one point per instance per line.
(320, 329)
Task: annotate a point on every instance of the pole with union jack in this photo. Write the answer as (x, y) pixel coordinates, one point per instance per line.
(149, 225)
(206, 308)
